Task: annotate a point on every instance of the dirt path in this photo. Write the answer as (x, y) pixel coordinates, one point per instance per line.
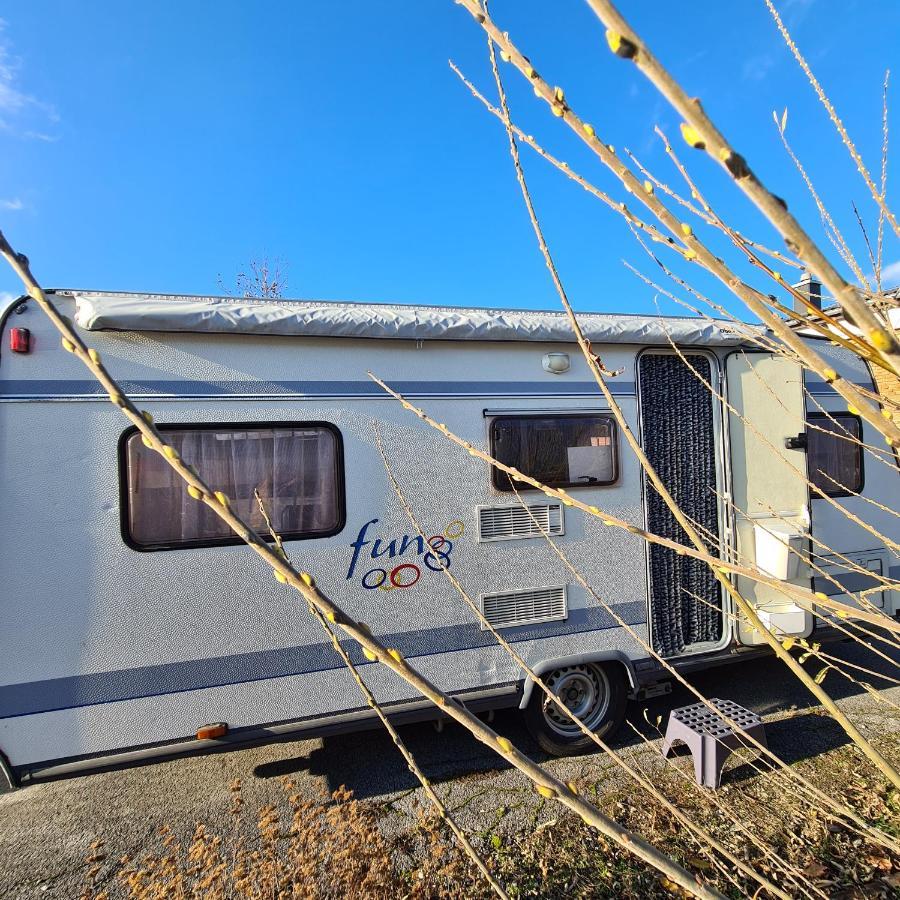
(45, 830)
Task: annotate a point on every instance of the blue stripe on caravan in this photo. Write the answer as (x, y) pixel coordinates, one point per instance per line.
(34, 388)
(73, 691)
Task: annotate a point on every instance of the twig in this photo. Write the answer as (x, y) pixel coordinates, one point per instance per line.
(411, 763)
(599, 373)
(703, 134)
(832, 114)
(545, 784)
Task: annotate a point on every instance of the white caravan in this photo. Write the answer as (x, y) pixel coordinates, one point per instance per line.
(131, 619)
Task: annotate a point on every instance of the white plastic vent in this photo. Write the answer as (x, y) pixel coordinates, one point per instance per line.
(505, 523)
(547, 604)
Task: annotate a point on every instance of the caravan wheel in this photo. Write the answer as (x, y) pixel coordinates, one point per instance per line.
(596, 693)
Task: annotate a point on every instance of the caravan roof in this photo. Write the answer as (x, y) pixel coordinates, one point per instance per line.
(319, 318)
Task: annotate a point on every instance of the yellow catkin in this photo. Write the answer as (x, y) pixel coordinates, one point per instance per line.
(648, 187)
(886, 413)
(852, 410)
(880, 339)
(692, 136)
(787, 643)
(280, 576)
(504, 744)
(587, 128)
(830, 375)
(223, 499)
(395, 654)
(504, 56)
(68, 345)
(690, 254)
(820, 595)
(686, 229)
(544, 791)
(608, 523)
(369, 655)
(724, 154)
(117, 400)
(306, 578)
(558, 93)
(558, 110)
(529, 71)
(170, 452)
(195, 492)
(94, 356)
(146, 441)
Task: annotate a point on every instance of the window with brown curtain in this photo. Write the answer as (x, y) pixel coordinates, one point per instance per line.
(297, 469)
(557, 450)
(834, 454)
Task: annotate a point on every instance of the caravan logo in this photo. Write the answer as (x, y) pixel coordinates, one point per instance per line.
(433, 554)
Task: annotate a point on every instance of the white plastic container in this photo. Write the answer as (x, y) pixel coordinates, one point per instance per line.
(778, 546)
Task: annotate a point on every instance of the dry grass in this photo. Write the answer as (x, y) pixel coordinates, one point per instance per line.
(340, 847)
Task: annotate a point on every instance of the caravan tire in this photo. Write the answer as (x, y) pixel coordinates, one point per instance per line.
(596, 693)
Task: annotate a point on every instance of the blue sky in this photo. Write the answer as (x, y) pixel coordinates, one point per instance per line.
(153, 147)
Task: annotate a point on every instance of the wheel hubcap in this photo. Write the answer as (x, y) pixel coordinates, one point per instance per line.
(584, 690)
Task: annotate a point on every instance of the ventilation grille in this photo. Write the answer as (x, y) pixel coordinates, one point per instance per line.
(505, 523)
(546, 604)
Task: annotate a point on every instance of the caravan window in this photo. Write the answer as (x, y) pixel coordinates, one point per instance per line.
(557, 450)
(296, 468)
(834, 455)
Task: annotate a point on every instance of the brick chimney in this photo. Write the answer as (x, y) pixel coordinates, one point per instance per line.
(811, 289)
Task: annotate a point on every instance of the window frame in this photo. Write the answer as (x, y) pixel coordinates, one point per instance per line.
(231, 540)
(835, 492)
(497, 474)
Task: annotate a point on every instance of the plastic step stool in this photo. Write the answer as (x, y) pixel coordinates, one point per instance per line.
(709, 737)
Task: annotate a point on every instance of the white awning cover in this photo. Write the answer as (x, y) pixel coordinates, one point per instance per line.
(232, 315)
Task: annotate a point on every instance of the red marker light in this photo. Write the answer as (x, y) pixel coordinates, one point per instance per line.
(19, 340)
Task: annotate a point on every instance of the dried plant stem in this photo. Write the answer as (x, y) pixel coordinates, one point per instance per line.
(617, 207)
(848, 339)
(798, 781)
(712, 140)
(879, 256)
(757, 302)
(803, 597)
(218, 503)
(831, 229)
(411, 763)
(722, 577)
(662, 186)
(701, 835)
(832, 114)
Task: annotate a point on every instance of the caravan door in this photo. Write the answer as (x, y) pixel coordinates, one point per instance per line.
(769, 493)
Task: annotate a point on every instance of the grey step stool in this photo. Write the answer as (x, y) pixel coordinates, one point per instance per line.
(709, 737)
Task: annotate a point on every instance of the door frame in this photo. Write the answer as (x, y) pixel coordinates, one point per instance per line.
(723, 488)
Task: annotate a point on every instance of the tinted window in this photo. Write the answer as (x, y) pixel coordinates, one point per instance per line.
(297, 469)
(834, 453)
(558, 451)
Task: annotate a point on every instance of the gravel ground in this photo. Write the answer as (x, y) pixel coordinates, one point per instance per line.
(45, 829)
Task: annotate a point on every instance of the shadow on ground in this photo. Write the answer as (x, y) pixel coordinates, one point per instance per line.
(370, 765)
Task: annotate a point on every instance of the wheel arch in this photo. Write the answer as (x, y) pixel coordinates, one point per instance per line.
(7, 779)
(577, 659)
